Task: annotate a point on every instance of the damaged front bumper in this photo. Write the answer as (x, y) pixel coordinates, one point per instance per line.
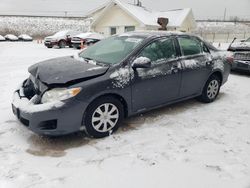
(52, 119)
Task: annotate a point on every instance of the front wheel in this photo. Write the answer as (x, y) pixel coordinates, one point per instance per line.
(211, 89)
(103, 117)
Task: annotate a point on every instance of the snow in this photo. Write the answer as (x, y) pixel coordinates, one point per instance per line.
(90, 35)
(189, 144)
(121, 77)
(141, 60)
(241, 45)
(11, 37)
(94, 68)
(25, 37)
(191, 63)
(29, 106)
(2, 38)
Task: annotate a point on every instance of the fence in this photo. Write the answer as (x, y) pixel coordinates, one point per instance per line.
(222, 37)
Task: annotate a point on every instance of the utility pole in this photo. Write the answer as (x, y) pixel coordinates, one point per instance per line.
(65, 13)
(225, 13)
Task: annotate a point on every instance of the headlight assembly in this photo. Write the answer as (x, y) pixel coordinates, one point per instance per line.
(59, 94)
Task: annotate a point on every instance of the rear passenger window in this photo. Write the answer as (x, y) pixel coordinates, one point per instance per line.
(190, 46)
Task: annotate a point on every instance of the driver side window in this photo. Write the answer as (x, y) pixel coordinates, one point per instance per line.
(159, 50)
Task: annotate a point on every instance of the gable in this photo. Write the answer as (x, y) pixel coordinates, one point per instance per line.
(115, 16)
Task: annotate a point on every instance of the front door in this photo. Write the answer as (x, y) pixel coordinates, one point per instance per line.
(160, 83)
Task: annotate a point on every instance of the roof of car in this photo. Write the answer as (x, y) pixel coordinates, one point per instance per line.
(155, 33)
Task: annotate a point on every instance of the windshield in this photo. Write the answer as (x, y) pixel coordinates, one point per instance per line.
(61, 33)
(112, 50)
(248, 40)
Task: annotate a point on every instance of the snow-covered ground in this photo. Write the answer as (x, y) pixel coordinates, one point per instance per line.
(189, 144)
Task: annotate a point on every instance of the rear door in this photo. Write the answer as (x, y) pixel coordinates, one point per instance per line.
(197, 65)
(160, 83)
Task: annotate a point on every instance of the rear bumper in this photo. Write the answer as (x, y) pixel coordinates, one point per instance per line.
(59, 118)
(241, 65)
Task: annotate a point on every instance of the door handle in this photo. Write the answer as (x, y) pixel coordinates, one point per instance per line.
(175, 69)
(209, 63)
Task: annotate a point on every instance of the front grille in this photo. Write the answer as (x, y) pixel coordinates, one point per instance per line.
(242, 56)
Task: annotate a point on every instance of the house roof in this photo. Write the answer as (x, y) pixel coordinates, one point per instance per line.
(146, 16)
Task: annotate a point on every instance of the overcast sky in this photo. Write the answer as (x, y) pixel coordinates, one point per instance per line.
(203, 9)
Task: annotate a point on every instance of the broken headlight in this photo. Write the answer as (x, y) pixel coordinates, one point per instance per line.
(59, 94)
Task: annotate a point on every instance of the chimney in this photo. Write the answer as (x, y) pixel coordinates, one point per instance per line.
(138, 3)
(163, 22)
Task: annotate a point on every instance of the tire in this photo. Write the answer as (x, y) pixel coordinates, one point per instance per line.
(62, 44)
(98, 122)
(211, 89)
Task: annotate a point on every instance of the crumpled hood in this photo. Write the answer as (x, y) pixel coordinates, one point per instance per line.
(65, 69)
(240, 46)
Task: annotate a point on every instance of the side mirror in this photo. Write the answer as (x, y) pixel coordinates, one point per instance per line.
(141, 62)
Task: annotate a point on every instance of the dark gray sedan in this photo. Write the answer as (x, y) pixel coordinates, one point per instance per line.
(118, 77)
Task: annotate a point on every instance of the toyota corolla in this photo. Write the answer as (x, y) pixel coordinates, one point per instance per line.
(118, 77)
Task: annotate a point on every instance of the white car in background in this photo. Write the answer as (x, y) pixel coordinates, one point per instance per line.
(25, 37)
(60, 39)
(2, 38)
(86, 39)
(11, 37)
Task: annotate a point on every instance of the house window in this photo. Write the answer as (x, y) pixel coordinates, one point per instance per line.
(112, 30)
(129, 28)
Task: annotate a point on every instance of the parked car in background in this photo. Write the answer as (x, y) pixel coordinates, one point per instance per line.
(60, 39)
(2, 38)
(118, 77)
(241, 52)
(86, 39)
(11, 37)
(25, 37)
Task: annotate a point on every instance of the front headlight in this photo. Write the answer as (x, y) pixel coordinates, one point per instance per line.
(59, 94)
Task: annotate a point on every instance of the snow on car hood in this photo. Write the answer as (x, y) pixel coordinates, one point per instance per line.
(240, 45)
(12, 37)
(1, 38)
(24, 36)
(65, 69)
(51, 38)
(90, 35)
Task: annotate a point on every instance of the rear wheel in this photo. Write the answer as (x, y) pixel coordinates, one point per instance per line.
(62, 44)
(103, 117)
(211, 89)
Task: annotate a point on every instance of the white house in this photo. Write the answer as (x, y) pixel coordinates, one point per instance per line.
(117, 17)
